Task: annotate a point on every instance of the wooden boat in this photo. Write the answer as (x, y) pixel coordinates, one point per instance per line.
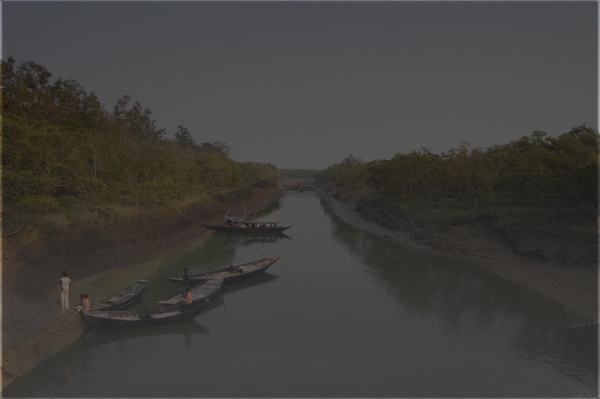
(122, 298)
(231, 273)
(200, 291)
(243, 225)
(144, 318)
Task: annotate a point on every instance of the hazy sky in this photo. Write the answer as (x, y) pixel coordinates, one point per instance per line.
(304, 84)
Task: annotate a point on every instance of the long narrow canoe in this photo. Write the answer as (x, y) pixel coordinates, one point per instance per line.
(231, 273)
(200, 291)
(144, 318)
(124, 297)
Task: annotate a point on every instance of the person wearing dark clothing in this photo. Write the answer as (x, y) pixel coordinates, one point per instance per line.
(185, 282)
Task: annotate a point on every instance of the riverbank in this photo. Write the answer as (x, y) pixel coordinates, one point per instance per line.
(34, 327)
(575, 287)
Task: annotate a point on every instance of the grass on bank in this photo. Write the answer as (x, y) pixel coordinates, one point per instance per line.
(22, 231)
(576, 223)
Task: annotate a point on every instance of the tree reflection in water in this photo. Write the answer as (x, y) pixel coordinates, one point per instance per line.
(468, 300)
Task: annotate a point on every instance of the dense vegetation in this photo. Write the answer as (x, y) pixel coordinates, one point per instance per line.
(536, 180)
(63, 152)
(299, 173)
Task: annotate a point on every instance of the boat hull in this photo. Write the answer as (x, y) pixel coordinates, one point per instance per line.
(229, 277)
(146, 318)
(253, 230)
(200, 291)
(103, 304)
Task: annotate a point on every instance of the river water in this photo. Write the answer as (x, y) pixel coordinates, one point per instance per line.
(341, 314)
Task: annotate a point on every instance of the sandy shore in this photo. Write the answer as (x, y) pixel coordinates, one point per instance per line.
(34, 327)
(575, 288)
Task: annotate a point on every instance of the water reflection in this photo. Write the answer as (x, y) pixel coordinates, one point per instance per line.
(67, 373)
(122, 337)
(244, 240)
(377, 320)
(469, 302)
(217, 251)
(188, 339)
(263, 278)
(228, 289)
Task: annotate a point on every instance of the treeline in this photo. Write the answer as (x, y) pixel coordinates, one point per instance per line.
(550, 173)
(299, 173)
(62, 149)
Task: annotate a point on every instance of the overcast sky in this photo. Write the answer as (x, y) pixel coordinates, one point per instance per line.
(304, 84)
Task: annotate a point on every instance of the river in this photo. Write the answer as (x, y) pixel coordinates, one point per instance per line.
(341, 314)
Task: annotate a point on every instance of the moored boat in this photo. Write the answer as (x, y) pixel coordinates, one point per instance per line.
(231, 273)
(144, 318)
(199, 291)
(122, 298)
(243, 225)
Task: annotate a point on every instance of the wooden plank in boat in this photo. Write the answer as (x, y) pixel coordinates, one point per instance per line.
(161, 315)
(136, 317)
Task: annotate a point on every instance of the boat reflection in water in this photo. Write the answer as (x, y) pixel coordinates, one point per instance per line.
(102, 336)
(233, 239)
(256, 281)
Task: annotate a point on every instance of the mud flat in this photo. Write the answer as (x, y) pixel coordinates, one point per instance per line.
(575, 287)
(34, 327)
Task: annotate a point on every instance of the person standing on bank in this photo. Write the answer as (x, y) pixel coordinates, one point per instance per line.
(65, 286)
(185, 282)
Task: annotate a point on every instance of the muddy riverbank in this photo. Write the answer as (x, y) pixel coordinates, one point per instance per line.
(34, 327)
(575, 287)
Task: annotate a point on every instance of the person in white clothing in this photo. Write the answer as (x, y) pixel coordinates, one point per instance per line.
(65, 286)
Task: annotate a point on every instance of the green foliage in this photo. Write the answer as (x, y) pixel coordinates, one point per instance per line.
(299, 173)
(215, 147)
(261, 174)
(553, 173)
(28, 92)
(62, 150)
(183, 136)
(137, 120)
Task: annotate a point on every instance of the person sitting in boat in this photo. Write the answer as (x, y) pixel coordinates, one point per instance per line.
(85, 304)
(188, 297)
(235, 269)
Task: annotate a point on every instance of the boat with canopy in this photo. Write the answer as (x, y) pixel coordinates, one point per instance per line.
(245, 225)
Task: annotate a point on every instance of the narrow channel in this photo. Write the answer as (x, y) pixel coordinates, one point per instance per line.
(341, 314)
